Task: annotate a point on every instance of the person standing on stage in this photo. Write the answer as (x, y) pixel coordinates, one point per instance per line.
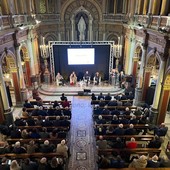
(86, 78)
(97, 78)
(113, 76)
(73, 78)
(121, 78)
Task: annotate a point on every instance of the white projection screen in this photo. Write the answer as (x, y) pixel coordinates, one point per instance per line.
(81, 56)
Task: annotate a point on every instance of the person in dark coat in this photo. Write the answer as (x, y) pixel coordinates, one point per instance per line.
(100, 96)
(18, 149)
(30, 121)
(119, 130)
(19, 122)
(155, 143)
(161, 130)
(108, 98)
(46, 147)
(153, 162)
(29, 165)
(43, 164)
(42, 112)
(117, 163)
(130, 130)
(119, 144)
(63, 97)
(56, 104)
(27, 104)
(4, 165)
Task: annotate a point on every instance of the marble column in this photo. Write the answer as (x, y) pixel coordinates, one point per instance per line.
(164, 7)
(138, 90)
(145, 7)
(155, 7)
(147, 75)
(31, 56)
(22, 86)
(28, 71)
(150, 7)
(131, 55)
(154, 107)
(7, 113)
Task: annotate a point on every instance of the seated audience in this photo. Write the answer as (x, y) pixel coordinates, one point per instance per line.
(56, 104)
(117, 163)
(62, 149)
(29, 165)
(42, 112)
(43, 133)
(18, 149)
(24, 112)
(65, 104)
(103, 162)
(161, 130)
(31, 147)
(119, 130)
(100, 96)
(46, 122)
(100, 130)
(19, 122)
(127, 111)
(56, 164)
(133, 120)
(130, 130)
(153, 162)
(105, 111)
(155, 143)
(101, 143)
(14, 165)
(43, 164)
(4, 164)
(30, 121)
(27, 104)
(119, 144)
(34, 133)
(115, 120)
(132, 144)
(46, 147)
(108, 97)
(100, 120)
(25, 134)
(141, 162)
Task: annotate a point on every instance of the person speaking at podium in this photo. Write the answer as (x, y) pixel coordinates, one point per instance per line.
(114, 75)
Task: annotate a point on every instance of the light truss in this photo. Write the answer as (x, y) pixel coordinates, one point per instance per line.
(51, 43)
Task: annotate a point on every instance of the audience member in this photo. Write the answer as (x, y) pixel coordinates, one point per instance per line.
(62, 149)
(14, 165)
(119, 144)
(100, 96)
(56, 104)
(130, 130)
(24, 112)
(141, 162)
(100, 130)
(65, 104)
(103, 162)
(132, 144)
(161, 130)
(46, 147)
(133, 120)
(153, 162)
(18, 149)
(100, 120)
(108, 98)
(43, 164)
(25, 134)
(34, 133)
(155, 143)
(56, 164)
(43, 133)
(27, 104)
(117, 163)
(42, 112)
(101, 143)
(30, 121)
(29, 165)
(115, 120)
(31, 147)
(4, 164)
(19, 122)
(119, 130)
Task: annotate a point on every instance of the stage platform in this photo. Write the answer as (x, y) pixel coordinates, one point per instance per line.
(54, 90)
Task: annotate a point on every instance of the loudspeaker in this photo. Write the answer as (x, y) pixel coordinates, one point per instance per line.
(80, 93)
(87, 91)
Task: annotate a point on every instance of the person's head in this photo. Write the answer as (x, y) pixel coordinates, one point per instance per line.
(24, 109)
(100, 137)
(131, 126)
(127, 109)
(27, 161)
(17, 144)
(54, 162)
(100, 117)
(46, 142)
(87, 72)
(14, 165)
(62, 94)
(132, 139)
(63, 142)
(121, 125)
(43, 160)
(155, 158)
(4, 160)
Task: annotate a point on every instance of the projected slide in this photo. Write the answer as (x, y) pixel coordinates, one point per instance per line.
(80, 56)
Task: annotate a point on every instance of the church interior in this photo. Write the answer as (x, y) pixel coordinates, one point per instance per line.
(84, 84)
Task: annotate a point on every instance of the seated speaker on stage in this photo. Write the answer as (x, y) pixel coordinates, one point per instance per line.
(73, 78)
(97, 79)
(59, 79)
(86, 78)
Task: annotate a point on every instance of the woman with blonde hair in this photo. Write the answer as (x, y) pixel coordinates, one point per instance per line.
(14, 165)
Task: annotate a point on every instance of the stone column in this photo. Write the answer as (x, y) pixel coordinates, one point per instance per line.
(7, 113)
(28, 71)
(155, 8)
(150, 7)
(164, 7)
(138, 90)
(154, 108)
(31, 56)
(135, 66)
(139, 7)
(147, 75)
(72, 29)
(131, 55)
(145, 7)
(21, 76)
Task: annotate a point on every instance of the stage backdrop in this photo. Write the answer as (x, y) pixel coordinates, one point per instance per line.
(101, 61)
